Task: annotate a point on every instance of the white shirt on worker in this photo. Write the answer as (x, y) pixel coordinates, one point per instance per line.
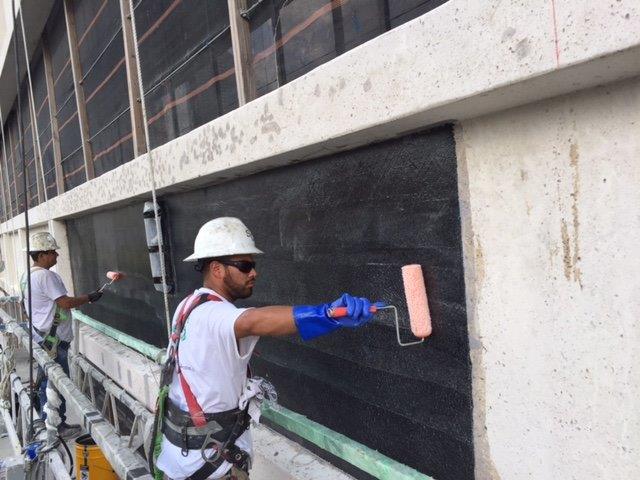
(215, 367)
(46, 288)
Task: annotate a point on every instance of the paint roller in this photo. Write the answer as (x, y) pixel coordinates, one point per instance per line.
(113, 277)
(417, 305)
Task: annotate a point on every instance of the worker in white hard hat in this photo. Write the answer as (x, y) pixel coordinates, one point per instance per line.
(50, 314)
(204, 426)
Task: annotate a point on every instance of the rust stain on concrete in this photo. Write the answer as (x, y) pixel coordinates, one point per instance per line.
(571, 239)
(566, 250)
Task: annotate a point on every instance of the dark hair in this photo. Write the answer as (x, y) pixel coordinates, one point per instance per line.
(34, 255)
(203, 263)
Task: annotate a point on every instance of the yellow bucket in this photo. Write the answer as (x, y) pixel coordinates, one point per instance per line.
(90, 461)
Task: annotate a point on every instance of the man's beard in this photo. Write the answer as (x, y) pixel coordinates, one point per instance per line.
(238, 292)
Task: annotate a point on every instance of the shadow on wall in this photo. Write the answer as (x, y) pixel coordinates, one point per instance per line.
(346, 222)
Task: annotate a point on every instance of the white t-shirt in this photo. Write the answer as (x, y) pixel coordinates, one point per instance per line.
(216, 371)
(46, 288)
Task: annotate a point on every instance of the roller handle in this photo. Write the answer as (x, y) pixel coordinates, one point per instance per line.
(338, 312)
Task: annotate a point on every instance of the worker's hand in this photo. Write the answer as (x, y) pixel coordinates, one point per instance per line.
(358, 310)
(94, 296)
(315, 320)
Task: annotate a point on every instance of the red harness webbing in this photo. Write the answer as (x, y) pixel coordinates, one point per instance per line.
(193, 301)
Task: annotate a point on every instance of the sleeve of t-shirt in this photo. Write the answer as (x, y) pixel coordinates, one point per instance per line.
(225, 328)
(52, 286)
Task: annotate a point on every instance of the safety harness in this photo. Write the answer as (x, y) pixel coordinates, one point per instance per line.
(50, 340)
(194, 429)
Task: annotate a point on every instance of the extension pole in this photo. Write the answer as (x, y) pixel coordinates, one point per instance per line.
(26, 210)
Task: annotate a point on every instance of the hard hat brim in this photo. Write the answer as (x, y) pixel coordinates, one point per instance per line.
(195, 257)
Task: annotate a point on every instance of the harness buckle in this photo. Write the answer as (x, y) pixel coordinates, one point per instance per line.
(218, 448)
(185, 443)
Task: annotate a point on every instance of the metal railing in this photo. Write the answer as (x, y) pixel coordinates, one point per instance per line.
(118, 451)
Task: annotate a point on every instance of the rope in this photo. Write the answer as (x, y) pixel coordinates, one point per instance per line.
(7, 365)
(51, 408)
(26, 205)
(151, 169)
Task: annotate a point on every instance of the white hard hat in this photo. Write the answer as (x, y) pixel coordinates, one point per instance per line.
(221, 237)
(42, 242)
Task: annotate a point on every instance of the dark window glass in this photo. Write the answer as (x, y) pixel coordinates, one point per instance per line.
(187, 64)
(291, 37)
(104, 73)
(67, 111)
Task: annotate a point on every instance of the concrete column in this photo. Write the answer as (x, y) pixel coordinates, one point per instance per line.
(550, 197)
(59, 230)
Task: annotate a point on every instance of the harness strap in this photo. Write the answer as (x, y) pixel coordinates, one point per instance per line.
(226, 450)
(234, 455)
(195, 410)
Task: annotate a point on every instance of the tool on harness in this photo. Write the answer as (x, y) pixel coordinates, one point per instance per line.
(50, 339)
(194, 430)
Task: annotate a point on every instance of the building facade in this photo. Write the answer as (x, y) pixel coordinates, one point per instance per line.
(495, 143)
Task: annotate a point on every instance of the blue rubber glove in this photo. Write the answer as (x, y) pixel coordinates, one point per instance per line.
(314, 320)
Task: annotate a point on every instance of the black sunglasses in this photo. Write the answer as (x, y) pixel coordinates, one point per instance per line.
(245, 266)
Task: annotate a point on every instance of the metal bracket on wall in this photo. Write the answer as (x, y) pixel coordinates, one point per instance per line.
(246, 14)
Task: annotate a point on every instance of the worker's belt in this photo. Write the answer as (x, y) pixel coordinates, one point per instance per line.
(52, 332)
(42, 333)
(179, 429)
(220, 432)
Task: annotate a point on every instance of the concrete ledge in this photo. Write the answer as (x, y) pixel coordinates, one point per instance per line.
(277, 457)
(461, 60)
(132, 371)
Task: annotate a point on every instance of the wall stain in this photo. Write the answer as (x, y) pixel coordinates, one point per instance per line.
(508, 33)
(575, 156)
(566, 250)
(480, 267)
(524, 176)
(366, 86)
(522, 48)
(269, 126)
(571, 242)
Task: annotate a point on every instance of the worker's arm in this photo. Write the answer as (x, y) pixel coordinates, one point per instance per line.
(67, 302)
(309, 321)
(266, 321)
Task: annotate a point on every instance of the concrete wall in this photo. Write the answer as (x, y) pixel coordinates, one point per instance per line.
(550, 196)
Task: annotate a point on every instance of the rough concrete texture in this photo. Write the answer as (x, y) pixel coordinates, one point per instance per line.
(277, 457)
(139, 376)
(549, 197)
(461, 60)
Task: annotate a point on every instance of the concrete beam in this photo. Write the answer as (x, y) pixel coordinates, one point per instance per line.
(459, 61)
